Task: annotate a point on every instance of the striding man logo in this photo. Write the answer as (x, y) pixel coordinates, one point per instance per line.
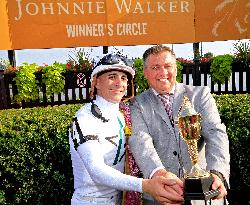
(226, 11)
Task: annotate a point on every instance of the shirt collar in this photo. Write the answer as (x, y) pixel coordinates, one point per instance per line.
(171, 92)
(108, 109)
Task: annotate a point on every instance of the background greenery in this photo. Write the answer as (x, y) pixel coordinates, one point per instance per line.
(235, 113)
(35, 165)
(221, 68)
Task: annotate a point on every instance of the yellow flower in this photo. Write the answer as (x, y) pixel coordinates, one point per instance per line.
(127, 131)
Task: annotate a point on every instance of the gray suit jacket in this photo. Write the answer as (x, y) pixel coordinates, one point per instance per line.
(155, 142)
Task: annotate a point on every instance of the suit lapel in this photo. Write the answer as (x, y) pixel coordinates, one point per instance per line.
(178, 99)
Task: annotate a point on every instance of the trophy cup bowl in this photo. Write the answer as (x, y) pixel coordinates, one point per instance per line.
(197, 181)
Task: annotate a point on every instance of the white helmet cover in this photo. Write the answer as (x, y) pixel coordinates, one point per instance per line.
(111, 62)
(116, 66)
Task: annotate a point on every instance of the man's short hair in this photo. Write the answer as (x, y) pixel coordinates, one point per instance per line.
(156, 50)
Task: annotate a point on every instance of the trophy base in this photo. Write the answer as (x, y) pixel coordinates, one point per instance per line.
(201, 196)
(199, 188)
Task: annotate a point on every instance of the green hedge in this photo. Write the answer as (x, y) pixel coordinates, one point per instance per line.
(35, 165)
(235, 113)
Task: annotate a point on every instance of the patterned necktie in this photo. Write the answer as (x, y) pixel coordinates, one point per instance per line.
(168, 106)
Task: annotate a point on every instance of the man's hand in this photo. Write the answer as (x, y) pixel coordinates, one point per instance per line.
(171, 189)
(163, 190)
(218, 184)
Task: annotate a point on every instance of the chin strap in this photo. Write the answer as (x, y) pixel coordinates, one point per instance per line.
(97, 112)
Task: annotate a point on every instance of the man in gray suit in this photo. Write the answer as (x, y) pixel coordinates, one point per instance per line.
(155, 142)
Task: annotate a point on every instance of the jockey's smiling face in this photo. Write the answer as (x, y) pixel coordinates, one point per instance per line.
(112, 85)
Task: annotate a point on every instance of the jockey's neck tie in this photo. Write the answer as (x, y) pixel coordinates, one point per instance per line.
(166, 100)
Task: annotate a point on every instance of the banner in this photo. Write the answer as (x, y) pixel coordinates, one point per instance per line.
(77, 23)
(217, 20)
